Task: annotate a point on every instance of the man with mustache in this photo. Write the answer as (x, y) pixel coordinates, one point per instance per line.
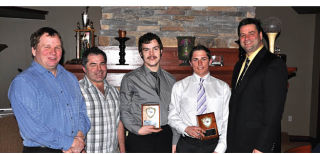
(148, 84)
(47, 101)
(107, 133)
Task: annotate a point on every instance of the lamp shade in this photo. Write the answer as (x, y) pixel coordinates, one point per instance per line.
(271, 25)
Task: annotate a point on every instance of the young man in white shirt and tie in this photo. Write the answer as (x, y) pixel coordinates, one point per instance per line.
(195, 95)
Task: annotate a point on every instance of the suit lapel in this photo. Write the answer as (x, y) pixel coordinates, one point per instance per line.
(253, 67)
(236, 72)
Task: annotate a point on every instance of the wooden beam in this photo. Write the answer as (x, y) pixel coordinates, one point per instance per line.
(19, 12)
(307, 10)
(3, 46)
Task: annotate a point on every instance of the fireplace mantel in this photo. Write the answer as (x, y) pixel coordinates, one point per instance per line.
(169, 62)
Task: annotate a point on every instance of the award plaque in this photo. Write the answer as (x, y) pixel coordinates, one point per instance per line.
(150, 115)
(208, 123)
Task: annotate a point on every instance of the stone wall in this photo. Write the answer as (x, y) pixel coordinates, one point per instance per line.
(214, 27)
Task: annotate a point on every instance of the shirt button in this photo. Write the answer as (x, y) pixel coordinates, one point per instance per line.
(72, 132)
(61, 91)
(71, 117)
(67, 104)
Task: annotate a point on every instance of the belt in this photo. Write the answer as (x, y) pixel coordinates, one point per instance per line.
(165, 127)
(198, 141)
(40, 150)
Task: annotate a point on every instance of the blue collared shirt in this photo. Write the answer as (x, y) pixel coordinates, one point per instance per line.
(50, 110)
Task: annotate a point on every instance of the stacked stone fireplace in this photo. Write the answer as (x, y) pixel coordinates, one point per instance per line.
(214, 27)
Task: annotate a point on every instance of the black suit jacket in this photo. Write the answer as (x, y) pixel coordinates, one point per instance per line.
(256, 105)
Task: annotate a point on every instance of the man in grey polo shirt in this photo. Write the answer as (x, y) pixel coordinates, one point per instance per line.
(148, 84)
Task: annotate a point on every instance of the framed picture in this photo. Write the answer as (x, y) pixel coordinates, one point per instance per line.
(150, 115)
(208, 123)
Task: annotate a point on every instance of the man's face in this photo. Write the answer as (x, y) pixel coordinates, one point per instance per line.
(200, 62)
(96, 68)
(250, 38)
(151, 54)
(48, 52)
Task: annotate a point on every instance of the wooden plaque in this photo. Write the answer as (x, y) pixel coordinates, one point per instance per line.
(208, 123)
(150, 115)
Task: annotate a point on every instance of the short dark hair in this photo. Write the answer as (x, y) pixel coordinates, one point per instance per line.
(248, 21)
(199, 47)
(35, 37)
(93, 50)
(147, 38)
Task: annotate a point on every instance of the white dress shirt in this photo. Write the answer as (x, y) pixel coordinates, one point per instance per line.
(183, 106)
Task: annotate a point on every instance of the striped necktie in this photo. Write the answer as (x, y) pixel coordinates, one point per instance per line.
(155, 74)
(243, 71)
(201, 99)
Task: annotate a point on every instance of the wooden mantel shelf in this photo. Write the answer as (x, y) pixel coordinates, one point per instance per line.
(77, 68)
(169, 62)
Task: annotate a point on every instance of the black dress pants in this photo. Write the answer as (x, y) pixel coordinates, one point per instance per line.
(160, 142)
(40, 150)
(191, 145)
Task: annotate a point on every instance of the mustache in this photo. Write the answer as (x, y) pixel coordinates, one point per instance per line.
(154, 57)
(101, 71)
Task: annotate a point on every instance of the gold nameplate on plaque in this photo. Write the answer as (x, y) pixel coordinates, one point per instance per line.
(150, 115)
(208, 123)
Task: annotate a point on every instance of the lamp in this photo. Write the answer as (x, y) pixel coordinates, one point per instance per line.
(272, 27)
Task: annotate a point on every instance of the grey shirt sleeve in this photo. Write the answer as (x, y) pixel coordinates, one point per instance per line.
(125, 107)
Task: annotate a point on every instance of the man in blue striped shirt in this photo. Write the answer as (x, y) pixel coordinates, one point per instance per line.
(47, 101)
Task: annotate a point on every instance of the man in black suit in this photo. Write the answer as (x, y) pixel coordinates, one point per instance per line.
(259, 87)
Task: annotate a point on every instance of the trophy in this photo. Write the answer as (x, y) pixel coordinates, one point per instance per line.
(85, 37)
(208, 123)
(85, 19)
(217, 60)
(150, 115)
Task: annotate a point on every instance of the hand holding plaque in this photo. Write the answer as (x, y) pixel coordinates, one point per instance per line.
(208, 123)
(150, 115)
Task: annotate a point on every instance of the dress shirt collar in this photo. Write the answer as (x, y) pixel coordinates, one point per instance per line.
(197, 77)
(43, 70)
(251, 57)
(88, 83)
(147, 70)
